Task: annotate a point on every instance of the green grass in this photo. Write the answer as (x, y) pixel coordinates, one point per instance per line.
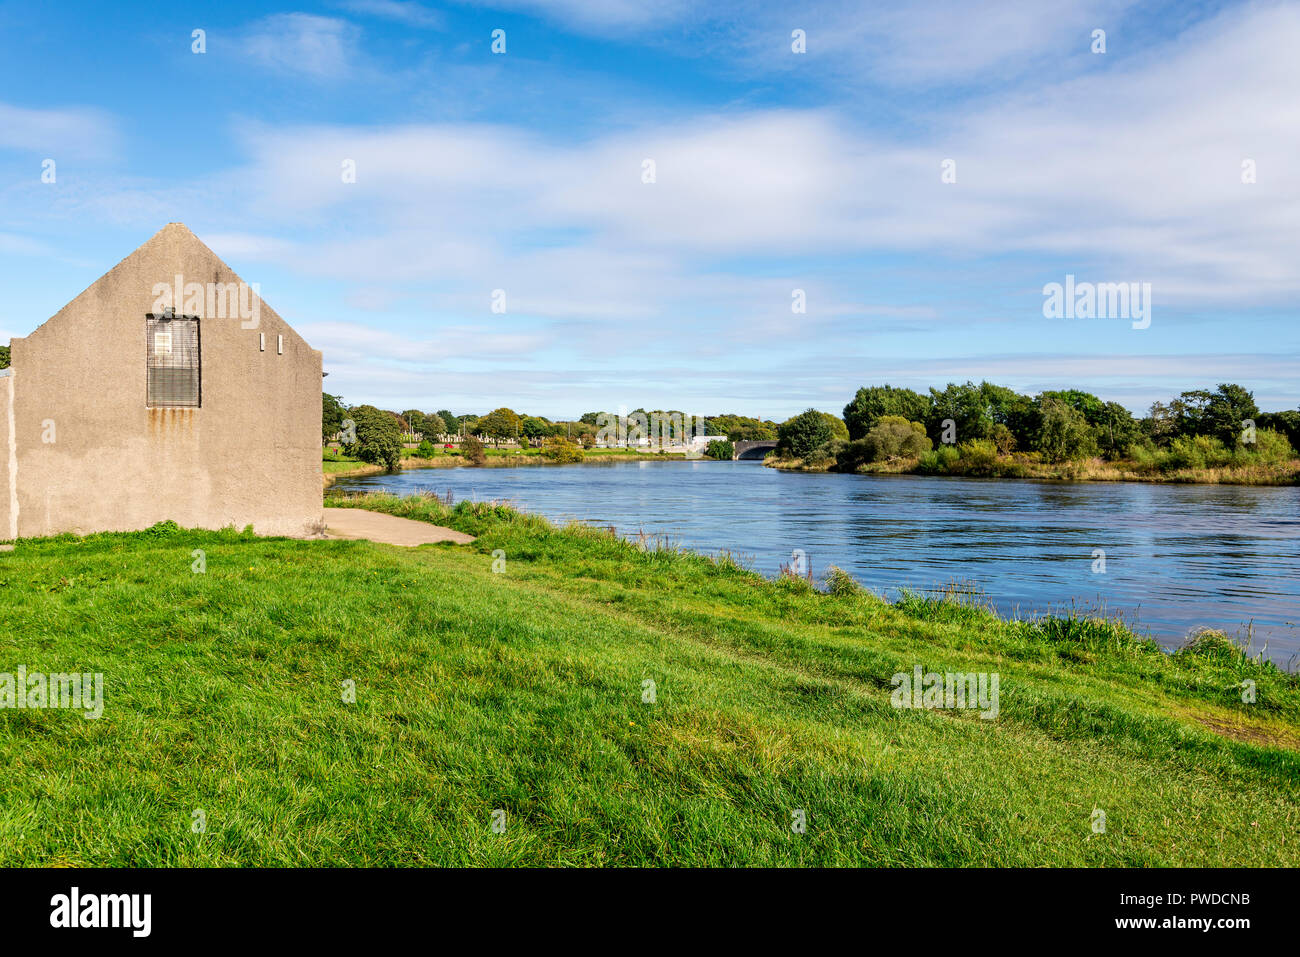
(522, 690)
(342, 465)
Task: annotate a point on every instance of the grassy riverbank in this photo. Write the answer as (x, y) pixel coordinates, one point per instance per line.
(1088, 470)
(523, 690)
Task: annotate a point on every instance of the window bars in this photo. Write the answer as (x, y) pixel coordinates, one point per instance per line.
(173, 360)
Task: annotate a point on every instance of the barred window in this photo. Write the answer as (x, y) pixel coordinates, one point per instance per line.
(173, 360)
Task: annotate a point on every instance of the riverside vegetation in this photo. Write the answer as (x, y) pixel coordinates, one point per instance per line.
(982, 430)
(990, 431)
(511, 675)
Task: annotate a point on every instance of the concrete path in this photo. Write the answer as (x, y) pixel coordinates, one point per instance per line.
(378, 527)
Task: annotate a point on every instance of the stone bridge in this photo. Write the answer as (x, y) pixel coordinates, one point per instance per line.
(753, 450)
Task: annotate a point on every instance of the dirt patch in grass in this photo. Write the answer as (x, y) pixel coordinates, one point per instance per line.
(1248, 733)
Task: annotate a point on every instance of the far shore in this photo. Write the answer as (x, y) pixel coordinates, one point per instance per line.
(1088, 470)
(496, 458)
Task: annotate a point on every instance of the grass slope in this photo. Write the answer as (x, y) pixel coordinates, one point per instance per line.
(522, 690)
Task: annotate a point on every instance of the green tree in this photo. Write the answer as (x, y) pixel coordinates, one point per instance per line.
(434, 426)
(1160, 424)
(838, 429)
(740, 428)
(1189, 411)
(379, 440)
(415, 419)
(1085, 403)
(806, 436)
(968, 408)
(721, 449)
(534, 427)
(450, 421)
(4, 357)
(1063, 432)
(500, 425)
(872, 403)
(1116, 430)
(1228, 407)
(333, 412)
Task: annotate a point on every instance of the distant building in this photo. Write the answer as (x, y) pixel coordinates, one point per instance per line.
(167, 390)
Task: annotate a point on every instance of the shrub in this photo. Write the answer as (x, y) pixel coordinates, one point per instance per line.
(472, 450)
(893, 437)
(824, 456)
(1213, 645)
(938, 462)
(841, 583)
(1194, 452)
(1269, 448)
(853, 456)
(1142, 454)
(1004, 439)
(1287, 423)
(722, 449)
(425, 450)
(978, 456)
(378, 439)
(562, 451)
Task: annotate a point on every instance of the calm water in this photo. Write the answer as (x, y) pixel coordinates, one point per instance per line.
(1178, 557)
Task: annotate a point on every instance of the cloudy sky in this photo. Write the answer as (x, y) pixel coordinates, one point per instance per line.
(774, 171)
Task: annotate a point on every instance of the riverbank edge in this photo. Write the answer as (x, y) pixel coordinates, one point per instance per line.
(1092, 470)
(493, 462)
(431, 507)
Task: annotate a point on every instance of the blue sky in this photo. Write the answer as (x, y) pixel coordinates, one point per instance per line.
(774, 171)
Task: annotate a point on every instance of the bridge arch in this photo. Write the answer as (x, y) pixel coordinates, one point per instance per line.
(753, 450)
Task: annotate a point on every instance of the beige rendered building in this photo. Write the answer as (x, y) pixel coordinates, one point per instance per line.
(167, 390)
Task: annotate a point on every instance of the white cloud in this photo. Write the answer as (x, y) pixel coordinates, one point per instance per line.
(928, 43)
(56, 133)
(451, 342)
(320, 47)
(402, 11)
(1130, 175)
(600, 15)
(922, 43)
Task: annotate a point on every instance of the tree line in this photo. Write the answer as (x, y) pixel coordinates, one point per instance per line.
(983, 423)
(960, 428)
(378, 431)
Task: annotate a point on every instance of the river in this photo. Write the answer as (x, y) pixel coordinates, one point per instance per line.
(1177, 557)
